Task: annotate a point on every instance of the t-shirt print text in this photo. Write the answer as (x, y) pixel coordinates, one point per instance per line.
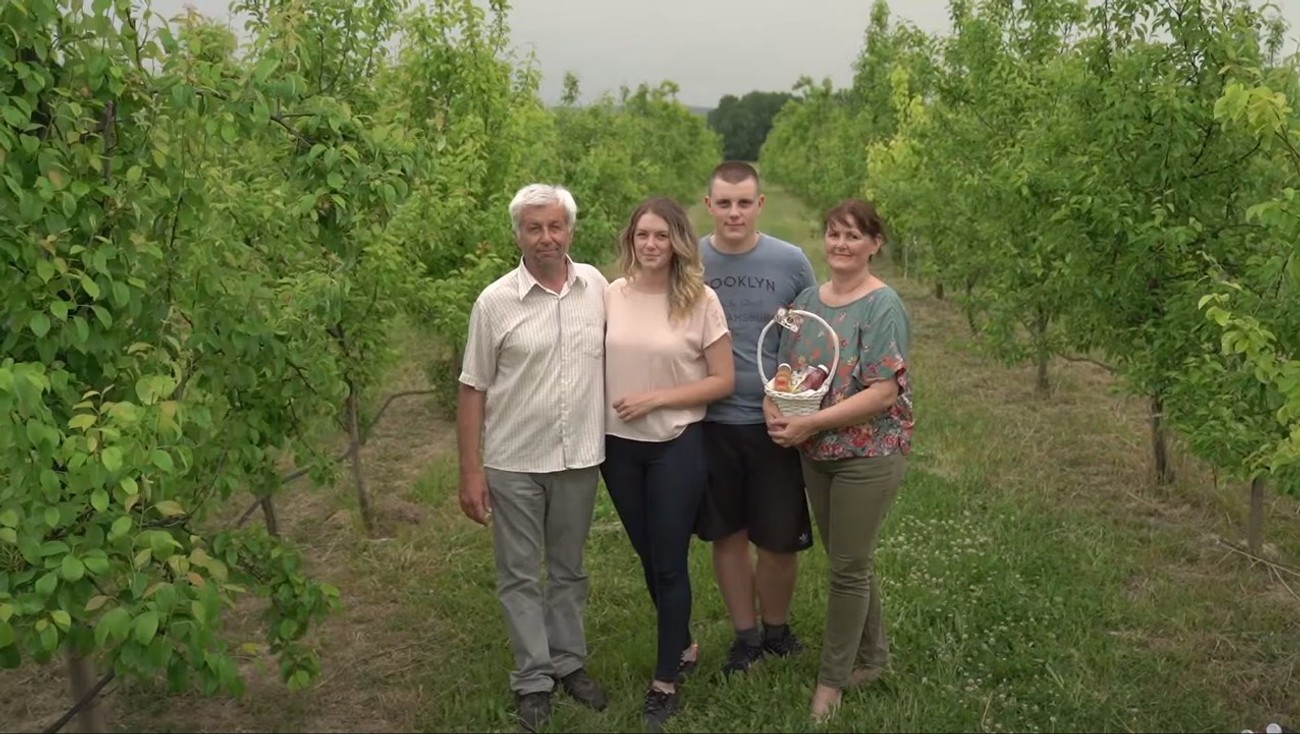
(743, 281)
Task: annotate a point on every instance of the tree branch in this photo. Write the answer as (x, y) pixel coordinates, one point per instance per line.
(1089, 360)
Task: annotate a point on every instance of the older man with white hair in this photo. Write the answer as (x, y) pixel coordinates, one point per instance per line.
(531, 434)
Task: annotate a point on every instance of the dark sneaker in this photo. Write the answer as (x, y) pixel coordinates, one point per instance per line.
(783, 646)
(533, 710)
(660, 706)
(741, 657)
(585, 689)
(690, 661)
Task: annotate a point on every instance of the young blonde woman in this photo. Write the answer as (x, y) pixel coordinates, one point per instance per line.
(854, 449)
(667, 356)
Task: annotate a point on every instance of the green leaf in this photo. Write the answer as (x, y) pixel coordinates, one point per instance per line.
(49, 637)
(162, 460)
(73, 569)
(146, 626)
(146, 390)
(99, 499)
(8, 518)
(90, 286)
(61, 618)
(47, 584)
(161, 544)
(59, 309)
(169, 508)
(39, 324)
(82, 420)
(121, 526)
(115, 623)
(112, 459)
(264, 68)
(9, 535)
(10, 657)
(6, 634)
(121, 294)
(52, 517)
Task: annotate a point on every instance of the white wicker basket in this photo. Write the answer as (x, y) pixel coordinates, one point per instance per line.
(802, 403)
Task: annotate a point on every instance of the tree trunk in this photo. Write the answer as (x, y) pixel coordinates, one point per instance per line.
(938, 290)
(1255, 526)
(1160, 441)
(1044, 354)
(82, 676)
(969, 309)
(358, 476)
(268, 512)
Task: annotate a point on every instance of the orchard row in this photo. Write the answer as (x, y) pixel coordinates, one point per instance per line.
(205, 244)
(1112, 182)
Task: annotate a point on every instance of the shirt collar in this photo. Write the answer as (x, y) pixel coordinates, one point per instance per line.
(526, 281)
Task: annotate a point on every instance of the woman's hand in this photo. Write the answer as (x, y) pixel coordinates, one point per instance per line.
(791, 430)
(635, 406)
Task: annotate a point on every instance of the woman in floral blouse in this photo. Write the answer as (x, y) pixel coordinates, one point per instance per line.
(854, 449)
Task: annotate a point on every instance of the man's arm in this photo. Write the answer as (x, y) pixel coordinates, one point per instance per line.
(471, 411)
(471, 405)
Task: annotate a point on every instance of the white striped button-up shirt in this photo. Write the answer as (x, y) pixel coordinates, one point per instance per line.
(540, 355)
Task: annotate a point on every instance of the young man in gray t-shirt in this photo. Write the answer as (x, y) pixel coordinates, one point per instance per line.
(756, 490)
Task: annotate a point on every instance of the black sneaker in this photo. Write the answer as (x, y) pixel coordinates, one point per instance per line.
(741, 657)
(660, 706)
(533, 710)
(585, 690)
(688, 664)
(783, 646)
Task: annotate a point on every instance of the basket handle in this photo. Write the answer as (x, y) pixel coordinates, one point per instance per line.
(835, 341)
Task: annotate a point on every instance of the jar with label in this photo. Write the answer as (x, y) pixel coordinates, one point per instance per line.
(815, 377)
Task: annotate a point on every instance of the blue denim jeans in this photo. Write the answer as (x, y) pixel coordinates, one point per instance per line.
(656, 488)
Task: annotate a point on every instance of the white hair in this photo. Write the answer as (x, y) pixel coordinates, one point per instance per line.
(542, 195)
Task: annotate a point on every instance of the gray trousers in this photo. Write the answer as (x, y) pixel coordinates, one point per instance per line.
(538, 517)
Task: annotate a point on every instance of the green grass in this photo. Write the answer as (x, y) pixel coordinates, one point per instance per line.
(1033, 581)
(1003, 618)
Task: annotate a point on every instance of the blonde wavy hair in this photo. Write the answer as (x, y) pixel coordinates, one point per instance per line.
(686, 274)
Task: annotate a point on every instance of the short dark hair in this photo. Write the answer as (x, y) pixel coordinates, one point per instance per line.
(857, 213)
(734, 172)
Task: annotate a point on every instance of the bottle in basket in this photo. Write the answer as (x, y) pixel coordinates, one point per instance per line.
(816, 376)
(783, 382)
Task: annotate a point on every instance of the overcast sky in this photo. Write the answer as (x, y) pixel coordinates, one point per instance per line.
(708, 47)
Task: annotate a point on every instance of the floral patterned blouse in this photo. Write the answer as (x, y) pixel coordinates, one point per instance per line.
(874, 332)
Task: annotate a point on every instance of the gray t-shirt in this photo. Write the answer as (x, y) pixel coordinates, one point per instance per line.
(752, 286)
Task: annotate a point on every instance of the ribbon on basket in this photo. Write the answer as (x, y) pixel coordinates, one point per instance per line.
(788, 319)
